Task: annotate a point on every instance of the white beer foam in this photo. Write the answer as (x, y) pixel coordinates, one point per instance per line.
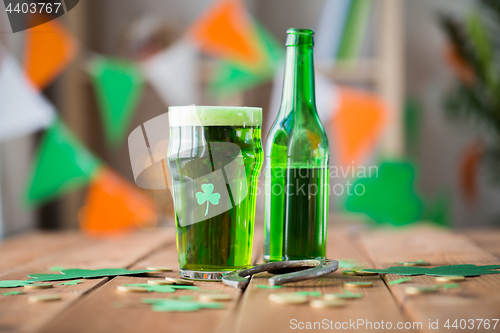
(193, 115)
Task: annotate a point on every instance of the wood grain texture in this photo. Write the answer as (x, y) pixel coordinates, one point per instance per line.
(18, 315)
(377, 303)
(477, 297)
(18, 250)
(486, 239)
(97, 312)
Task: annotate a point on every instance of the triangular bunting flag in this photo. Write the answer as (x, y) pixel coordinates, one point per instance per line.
(49, 49)
(173, 73)
(357, 124)
(226, 31)
(232, 77)
(113, 206)
(61, 164)
(469, 171)
(23, 109)
(118, 85)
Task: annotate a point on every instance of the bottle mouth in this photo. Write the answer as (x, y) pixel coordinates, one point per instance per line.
(300, 37)
(296, 31)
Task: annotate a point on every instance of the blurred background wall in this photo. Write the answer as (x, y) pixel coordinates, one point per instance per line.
(111, 27)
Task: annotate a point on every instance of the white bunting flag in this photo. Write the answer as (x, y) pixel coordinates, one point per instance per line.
(173, 73)
(23, 109)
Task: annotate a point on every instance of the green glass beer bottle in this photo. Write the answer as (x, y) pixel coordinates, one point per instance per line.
(296, 158)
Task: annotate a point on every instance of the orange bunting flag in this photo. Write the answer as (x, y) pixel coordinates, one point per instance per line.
(49, 49)
(227, 31)
(114, 206)
(469, 171)
(357, 124)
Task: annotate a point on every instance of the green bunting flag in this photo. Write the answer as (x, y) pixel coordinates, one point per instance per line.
(230, 77)
(412, 124)
(389, 196)
(118, 86)
(62, 164)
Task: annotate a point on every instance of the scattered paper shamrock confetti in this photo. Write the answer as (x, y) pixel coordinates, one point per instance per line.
(56, 268)
(454, 270)
(398, 281)
(450, 285)
(13, 283)
(346, 294)
(264, 286)
(414, 263)
(77, 273)
(161, 288)
(70, 283)
(11, 293)
(349, 263)
(177, 305)
(309, 293)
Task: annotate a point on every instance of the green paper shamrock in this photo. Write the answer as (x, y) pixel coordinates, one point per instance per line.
(13, 283)
(12, 293)
(450, 285)
(177, 305)
(70, 283)
(350, 263)
(453, 270)
(56, 268)
(161, 288)
(77, 273)
(398, 281)
(309, 293)
(264, 286)
(207, 196)
(389, 196)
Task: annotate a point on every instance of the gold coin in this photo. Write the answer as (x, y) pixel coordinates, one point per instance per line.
(321, 303)
(358, 284)
(215, 297)
(450, 278)
(43, 298)
(39, 286)
(160, 282)
(179, 281)
(131, 289)
(342, 296)
(416, 263)
(416, 290)
(288, 298)
(160, 269)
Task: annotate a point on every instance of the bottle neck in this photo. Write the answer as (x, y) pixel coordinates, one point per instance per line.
(298, 86)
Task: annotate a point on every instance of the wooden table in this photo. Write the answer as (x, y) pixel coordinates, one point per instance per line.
(96, 306)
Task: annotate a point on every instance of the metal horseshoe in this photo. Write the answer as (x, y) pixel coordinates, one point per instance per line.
(300, 270)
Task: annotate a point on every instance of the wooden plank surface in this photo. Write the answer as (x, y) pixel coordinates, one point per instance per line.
(17, 315)
(96, 306)
(477, 297)
(21, 249)
(376, 305)
(96, 312)
(487, 239)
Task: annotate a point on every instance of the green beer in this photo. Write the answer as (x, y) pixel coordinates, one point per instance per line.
(296, 212)
(215, 157)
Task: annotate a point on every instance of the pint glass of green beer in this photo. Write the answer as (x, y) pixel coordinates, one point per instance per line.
(214, 157)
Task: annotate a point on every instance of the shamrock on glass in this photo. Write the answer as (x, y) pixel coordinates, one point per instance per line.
(207, 196)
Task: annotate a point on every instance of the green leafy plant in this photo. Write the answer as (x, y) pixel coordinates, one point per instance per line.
(475, 58)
